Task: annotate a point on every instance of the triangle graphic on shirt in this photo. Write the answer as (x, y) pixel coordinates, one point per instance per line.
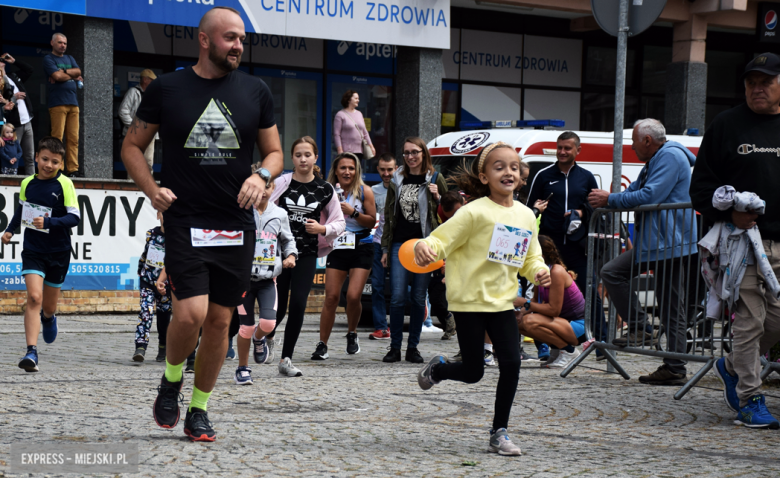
(212, 132)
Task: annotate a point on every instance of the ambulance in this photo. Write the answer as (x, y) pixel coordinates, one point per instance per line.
(537, 147)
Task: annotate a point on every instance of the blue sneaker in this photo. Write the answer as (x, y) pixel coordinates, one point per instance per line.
(756, 415)
(29, 362)
(260, 351)
(243, 375)
(49, 328)
(544, 352)
(231, 352)
(729, 384)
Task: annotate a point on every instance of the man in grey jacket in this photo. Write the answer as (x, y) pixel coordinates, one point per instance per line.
(130, 104)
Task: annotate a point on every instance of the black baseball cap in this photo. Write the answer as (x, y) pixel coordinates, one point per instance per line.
(768, 63)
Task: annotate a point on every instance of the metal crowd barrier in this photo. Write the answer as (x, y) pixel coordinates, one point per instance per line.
(667, 294)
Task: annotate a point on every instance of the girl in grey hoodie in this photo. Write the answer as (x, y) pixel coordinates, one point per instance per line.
(274, 241)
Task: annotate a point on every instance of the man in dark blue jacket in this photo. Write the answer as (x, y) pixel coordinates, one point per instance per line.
(569, 184)
(661, 238)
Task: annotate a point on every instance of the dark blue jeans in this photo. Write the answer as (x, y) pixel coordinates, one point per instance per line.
(399, 280)
(378, 290)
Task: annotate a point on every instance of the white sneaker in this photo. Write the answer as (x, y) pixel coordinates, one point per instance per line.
(432, 328)
(501, 444)
(564, 359)
(270, 342)
(286, 367)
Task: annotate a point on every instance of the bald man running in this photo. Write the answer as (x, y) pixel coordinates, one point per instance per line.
(209, 116)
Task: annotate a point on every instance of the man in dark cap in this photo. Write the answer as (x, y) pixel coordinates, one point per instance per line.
(741, 148)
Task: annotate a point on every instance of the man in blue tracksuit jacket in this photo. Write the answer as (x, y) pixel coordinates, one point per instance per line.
(569, 185)
(661, 238)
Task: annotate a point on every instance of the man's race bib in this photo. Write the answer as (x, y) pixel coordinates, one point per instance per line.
(345, 241)
(30, 211)
(210, 238)
(509, 245)
(155, 256)
(265, 252)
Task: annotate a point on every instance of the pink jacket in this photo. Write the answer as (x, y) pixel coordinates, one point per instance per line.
(345, 135)
(332, 217)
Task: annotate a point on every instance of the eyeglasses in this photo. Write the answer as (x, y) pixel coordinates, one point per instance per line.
(412, 153)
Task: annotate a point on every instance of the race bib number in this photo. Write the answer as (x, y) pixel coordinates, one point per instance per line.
(155, 257)
(345, 241)
(30, 211)
(265, 252)
(509, 245)
(211, 238)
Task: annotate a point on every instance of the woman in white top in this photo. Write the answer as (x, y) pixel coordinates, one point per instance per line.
(349, 127)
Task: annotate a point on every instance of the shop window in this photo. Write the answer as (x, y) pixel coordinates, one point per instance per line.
(652, 107)
(295, 111)
(375, 104)
(598, 112)
(449, 107)
(724, 70)
(713, 110)
(488, 103)
(601, 63)
(553, 104)
(654, 66)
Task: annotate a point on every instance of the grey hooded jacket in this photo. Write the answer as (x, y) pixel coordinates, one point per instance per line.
(428, 206)
(274, 224)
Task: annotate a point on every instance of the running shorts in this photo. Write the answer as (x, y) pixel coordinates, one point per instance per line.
(221, 272)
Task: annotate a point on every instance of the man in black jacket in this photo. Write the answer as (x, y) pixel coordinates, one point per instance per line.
(20, 113)
(741, 149)
(561, 192)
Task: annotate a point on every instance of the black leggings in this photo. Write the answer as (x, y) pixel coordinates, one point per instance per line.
(501, 327)
(298, 280)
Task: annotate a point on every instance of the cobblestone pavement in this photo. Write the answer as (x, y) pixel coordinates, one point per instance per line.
(356, 416)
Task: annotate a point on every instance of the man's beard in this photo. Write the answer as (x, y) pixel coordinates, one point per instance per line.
(222, 62)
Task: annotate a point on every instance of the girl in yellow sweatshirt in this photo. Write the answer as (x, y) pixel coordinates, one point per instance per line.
(486, 244)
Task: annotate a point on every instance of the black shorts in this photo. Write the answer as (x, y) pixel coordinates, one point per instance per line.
(264, 293)
(221, 272)
(362, 257)
(52, 266)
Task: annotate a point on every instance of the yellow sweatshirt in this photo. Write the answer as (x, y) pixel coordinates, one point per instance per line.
(475, 284)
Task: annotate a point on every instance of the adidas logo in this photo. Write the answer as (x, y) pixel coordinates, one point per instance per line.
(301, 207)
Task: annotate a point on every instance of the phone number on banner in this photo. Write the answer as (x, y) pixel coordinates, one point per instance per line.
(77, 269)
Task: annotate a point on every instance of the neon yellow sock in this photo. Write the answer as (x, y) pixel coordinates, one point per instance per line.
(173, 373)
(199, 399)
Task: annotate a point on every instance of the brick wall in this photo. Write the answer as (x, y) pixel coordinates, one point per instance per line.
(109, 302)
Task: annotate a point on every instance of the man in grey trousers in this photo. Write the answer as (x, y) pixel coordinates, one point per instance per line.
(741, 149)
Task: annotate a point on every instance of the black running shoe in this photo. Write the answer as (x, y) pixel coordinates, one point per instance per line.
(413, 355)
(353, 345)
(190, 368)
(197, 425)
(161, 354)
(166, 406)
(138, 356)
(393, 355)
(321, 353)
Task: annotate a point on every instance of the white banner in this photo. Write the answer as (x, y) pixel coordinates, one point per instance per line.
(420, 23)
(105, 246)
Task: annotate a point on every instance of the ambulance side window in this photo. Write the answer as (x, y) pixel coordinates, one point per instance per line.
(598, 180)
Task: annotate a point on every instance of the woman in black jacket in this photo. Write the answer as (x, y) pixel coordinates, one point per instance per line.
(19, 110)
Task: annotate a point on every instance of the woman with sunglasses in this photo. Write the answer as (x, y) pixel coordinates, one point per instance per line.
(410, 213)
(350, 256)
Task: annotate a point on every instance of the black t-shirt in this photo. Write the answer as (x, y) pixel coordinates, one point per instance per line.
(208, 129)
(740, 149)
(304, 201)
(407, 218)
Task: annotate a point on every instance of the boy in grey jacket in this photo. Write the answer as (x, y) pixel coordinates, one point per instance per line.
(274, 240)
